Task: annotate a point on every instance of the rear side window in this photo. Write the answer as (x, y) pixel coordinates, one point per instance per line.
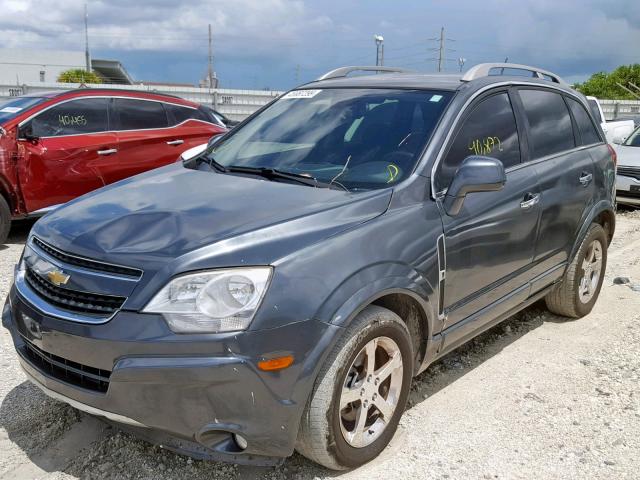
(140, 114)
(76, 117)
(489, 130)
(588, 132)
(178, 114)
(550, 128)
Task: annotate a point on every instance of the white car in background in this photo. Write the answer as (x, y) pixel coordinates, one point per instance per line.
(615, 131)
(628, 170)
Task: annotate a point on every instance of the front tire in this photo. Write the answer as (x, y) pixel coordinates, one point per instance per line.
(360, 394)
(576, 295)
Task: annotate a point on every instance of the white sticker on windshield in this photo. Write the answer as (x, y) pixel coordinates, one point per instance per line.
(301, 94)
(10, 110)
(435, 98)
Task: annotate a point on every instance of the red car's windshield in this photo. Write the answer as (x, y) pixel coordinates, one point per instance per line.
(14, 106)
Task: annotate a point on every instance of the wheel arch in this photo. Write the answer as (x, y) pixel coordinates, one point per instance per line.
(602, 213)
(404, 294)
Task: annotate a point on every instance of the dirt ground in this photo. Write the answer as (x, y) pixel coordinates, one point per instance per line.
(535, 397)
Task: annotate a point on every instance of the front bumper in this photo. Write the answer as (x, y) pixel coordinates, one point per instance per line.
(189, 392)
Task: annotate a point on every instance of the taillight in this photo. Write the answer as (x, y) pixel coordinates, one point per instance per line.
(614, 155)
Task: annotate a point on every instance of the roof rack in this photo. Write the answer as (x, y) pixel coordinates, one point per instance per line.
(344, 71)
(484, 70)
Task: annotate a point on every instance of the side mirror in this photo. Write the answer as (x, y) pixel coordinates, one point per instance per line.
(476, 174)
(213, 140)
(26, 133)
(619, 139)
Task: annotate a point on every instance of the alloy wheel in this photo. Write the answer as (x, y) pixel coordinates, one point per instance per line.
(371, 392)
(592, 269)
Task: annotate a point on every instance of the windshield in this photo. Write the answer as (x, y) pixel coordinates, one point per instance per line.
(14, 106)
(355, 138)
(595, 110)
(634, 139)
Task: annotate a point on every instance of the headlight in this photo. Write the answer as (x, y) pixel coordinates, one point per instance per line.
(211, 302)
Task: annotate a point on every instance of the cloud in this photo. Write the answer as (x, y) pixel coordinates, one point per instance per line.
(266, 39)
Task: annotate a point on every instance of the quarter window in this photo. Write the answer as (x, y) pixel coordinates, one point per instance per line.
(140, 114)
(587, 130)
(180, 114)
(86, 115)
(490, 130)
(550, 128)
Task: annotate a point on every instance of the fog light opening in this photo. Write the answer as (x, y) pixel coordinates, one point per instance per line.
(241, 442)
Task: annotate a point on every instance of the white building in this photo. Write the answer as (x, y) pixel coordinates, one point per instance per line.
(19, 65)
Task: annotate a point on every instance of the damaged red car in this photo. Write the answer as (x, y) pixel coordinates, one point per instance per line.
(57, 146)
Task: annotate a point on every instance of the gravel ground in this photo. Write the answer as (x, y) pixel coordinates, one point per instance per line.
(535, 397)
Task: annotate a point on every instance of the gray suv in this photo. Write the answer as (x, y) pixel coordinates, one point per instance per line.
(279, 291)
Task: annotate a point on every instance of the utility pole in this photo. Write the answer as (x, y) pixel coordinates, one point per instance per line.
(87, 56)
(210, 71)
(441, 51)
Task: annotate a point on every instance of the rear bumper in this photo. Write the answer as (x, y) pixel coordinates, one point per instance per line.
(190, 393)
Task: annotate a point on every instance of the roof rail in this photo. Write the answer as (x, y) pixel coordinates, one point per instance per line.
(344, 71)
(484, 70)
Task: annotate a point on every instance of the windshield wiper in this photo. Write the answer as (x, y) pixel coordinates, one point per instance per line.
(272, 173)
(212, 161)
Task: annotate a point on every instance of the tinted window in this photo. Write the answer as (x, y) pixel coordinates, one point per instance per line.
(180, 114)
(140, 114)
(489, 130)
(550, 128)
(88, 115)
(356, 139)
(16, 106)
(588, 131)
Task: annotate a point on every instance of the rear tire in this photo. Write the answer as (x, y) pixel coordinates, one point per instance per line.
(578, 291)
(5, 220)
(342, 426)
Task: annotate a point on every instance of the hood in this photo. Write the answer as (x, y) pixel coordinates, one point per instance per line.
(154, 218)
(628, 156)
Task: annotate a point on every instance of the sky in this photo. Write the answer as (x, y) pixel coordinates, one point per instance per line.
(278, 44)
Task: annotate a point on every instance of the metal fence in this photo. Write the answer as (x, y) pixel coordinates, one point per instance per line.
(235, 104)
(619, 108)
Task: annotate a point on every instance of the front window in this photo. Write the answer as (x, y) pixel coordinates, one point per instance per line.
(15, 106)
(357, 139)
(634, 139)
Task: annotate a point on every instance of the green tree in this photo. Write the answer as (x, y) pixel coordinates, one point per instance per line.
(77, 75)
(607, 85)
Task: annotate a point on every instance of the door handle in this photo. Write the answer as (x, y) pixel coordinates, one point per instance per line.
(109, 151)
(175, 142)
(585, 178)
(530, 200)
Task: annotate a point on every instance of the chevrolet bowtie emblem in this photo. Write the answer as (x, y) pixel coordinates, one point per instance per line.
(58, 277)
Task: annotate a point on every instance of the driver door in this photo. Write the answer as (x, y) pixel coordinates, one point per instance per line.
(490, 243)
(61, 159)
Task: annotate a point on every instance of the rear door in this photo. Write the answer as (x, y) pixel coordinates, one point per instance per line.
(489, 245)
(190, 127)
(64, 160)
(143, 135)
(565, 173)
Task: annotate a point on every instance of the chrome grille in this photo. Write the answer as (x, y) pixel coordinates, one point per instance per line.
(633, 172)
(86, 262)
(74, 300)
